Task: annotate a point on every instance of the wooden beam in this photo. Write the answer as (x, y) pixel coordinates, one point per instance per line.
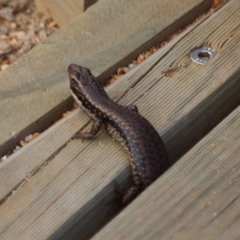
(63, 11)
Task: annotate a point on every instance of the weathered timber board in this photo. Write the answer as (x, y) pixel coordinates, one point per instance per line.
(63, 11)
(198, 198)
(65, 199)
(34, 90)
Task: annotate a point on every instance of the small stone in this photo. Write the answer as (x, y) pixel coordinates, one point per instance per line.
(4, 66)
(131, 65)
(120, 71)
(19, 5)
(7, 14)
(42, 35)
(153, 50)
(16, 149)
(34, 40)
(13, 5)
(75, 105)
(114, 78)
(4, 29)
(140, 58)
(13, 25)
(4, 37)
(14, 42)
(28, 138)
(42, 25)
(12, 58)
(21, 35)
(36, 134)
(28, 10)
(64, 115)
(3, 2)
(4, 47)
(22, 143)
(13, 133)
(52, 24)
(147, 54)
(4, 158)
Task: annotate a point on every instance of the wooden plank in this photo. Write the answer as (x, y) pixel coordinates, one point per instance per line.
(65, 199)
(34, 90)
(198, 198)
(63, 11)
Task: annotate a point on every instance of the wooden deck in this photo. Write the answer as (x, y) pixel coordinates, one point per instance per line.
(54, 188)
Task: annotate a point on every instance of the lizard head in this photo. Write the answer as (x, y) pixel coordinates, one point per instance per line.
(80, 78)
(83, 84)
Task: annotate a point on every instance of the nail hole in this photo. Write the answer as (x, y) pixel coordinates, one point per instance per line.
(204, 55)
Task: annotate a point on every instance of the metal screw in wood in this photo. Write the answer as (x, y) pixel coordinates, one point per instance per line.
(202, 55)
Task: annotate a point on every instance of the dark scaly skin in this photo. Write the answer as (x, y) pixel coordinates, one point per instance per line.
(147, 152)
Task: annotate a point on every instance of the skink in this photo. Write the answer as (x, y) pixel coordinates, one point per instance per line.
(148, 155)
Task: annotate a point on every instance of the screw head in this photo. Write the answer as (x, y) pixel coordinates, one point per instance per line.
(202, 55)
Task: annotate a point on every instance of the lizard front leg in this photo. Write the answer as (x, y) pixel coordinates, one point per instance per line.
(92, 133)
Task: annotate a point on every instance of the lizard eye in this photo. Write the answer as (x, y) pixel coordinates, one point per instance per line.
(77, 74)
(73, 81)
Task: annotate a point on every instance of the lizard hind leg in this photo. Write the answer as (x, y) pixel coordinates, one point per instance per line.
(124, 197)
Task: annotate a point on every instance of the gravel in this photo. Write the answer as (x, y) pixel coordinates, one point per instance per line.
(21, 28)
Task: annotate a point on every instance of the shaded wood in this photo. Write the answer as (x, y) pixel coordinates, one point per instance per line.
(65, 199)
(198, 198)
(35, 90)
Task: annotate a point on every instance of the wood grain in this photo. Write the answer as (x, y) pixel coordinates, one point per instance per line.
(65, 199)
(63, 11)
